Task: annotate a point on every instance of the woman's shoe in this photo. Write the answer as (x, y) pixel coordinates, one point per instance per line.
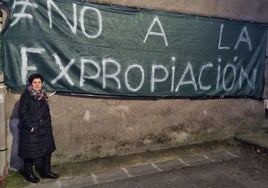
(46, 173)
(29, 175)
(51, 175)
(31, 178)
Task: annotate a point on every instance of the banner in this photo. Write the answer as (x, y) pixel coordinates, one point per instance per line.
(111, 50)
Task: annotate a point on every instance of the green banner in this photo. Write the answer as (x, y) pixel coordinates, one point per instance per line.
(112, 50)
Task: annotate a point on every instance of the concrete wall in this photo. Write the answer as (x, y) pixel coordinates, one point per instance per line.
(87, 128)
(252, 10)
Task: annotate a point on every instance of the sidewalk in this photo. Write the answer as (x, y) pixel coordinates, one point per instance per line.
(128, 172)
(127, 169)
(196, 158)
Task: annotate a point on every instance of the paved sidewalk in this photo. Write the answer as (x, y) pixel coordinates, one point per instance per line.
(144, 169)
(259, 139)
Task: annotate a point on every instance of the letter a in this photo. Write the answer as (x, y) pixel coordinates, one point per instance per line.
(243, 39)
(162, 34)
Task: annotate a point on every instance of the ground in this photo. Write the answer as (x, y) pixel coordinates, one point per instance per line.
(253, 161)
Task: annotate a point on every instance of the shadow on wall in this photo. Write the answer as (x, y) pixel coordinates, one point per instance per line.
(15, 161)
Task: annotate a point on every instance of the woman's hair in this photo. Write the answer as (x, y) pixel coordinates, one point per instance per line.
(34, 76)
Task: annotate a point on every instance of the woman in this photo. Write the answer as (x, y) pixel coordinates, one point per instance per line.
(36, 142)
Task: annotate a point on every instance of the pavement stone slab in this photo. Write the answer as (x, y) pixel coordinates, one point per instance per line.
(195, 160)
(141, 170)
(111, 175)
(220, 156)
(77, 181)
(53, 184)
(170, 165)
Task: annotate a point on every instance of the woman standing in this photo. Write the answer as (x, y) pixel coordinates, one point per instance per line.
(36, 142)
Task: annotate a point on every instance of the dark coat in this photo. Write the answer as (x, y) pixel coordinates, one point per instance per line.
(34, 113)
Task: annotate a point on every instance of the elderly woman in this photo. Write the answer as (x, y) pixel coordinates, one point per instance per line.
(36, 142)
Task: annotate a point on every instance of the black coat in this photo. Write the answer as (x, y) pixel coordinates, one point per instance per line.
(34, 113)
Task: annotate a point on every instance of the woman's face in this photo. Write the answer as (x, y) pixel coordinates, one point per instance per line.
(37, 84)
